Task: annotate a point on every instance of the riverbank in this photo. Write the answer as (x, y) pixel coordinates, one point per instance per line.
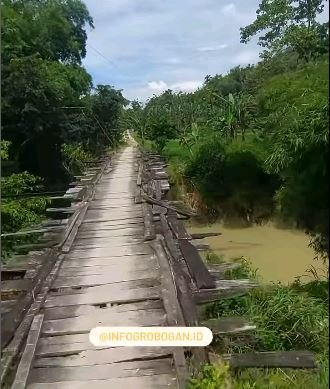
(279, 254)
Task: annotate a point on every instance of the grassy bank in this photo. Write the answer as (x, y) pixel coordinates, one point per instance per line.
(293, 317)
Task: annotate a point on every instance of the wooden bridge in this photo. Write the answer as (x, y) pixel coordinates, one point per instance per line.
(121, 257)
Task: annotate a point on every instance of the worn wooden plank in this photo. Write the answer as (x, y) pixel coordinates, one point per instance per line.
(104, 270)
(84, 323)
(122, 232)
(28, 354)
(224, 289)
(149, 231)
(119, 251)
(153, 201)
(74, 311)
(204, 235)
(116, 241)
(160, 381)
(136, 260)
(119, 295)
(104, 279)
(196, 266)
(219, 271)
(110, 355)
(177, 227)
(228, 325)
(173, 311)
(276, 359)
(102, 372)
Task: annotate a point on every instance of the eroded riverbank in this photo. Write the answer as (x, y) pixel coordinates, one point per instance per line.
(279, 254)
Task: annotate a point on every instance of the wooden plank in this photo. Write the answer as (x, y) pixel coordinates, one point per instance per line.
(116, 241)
(102, 270)
(96, 234)
(74, 311)
(149, 231)
(196, 266)
(219, 271)
(204, 235)
(120, 295)
(177, 227)
(139, 261)
(119, 251)
(161, 381)
(104, 279)
(224, 289)
(119, 219)
(102, 372)
(84, 323)
(153, 201)
(28, 354)
(228, 325)
(110, 355)
(173, 310)
(276, 359)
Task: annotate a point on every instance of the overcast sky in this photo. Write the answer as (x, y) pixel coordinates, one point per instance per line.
(147, 46)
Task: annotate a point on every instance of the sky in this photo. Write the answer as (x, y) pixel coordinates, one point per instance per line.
(147, 46)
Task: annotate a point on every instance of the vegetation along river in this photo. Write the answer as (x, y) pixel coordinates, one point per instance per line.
(279, 254)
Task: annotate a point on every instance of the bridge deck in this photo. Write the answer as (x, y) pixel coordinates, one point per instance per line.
(110, 277)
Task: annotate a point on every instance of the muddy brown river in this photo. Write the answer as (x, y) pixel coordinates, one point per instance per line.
(278, 254)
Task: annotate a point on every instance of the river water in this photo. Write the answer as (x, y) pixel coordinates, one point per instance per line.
(278, 254)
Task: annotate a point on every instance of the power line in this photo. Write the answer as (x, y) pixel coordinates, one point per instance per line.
(102, 55)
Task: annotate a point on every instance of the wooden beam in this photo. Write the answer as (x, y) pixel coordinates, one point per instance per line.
(20, 381)
(276, 359)
(224, 289)
(228, 325)
(196, 266)
(149, 231)
(151, 200)
(205, 235)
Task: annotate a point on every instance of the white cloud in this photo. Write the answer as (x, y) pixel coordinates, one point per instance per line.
(246, 57)
(157, 86)
(183, 86)
(229, 9)
(187, 86)
(213, 48)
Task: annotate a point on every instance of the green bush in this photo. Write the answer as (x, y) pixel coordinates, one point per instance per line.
(74, 158)
(232, 176)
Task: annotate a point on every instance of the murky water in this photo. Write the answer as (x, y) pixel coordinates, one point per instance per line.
(279, 254)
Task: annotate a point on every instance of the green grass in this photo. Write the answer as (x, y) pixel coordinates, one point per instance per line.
(293, 317)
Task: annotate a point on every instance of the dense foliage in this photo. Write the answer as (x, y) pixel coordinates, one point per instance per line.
(52, 116)
(47, 96)
(255, 141)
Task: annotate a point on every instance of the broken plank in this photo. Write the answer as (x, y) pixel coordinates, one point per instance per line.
(228, 325)
(120, 295)
(104, 279)
(224, 289)
(84, 323)
(110, 355)
(102, 372)
(196, 266)
(74, 311)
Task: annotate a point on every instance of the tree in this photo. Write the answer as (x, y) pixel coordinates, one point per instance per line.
(52, 29)
(288, 24)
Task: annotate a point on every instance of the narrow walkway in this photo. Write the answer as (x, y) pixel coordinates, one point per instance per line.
(110, 277)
